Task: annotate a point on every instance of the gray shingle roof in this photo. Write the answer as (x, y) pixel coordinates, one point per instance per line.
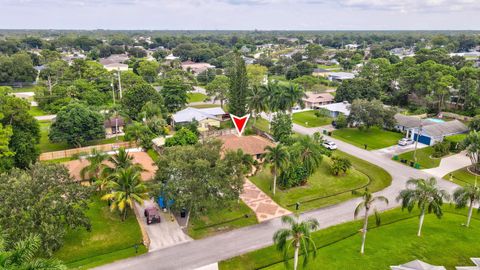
(411, 121)
(445, 129)
(189, 113)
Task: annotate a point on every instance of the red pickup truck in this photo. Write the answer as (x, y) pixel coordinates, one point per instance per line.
(152, 214)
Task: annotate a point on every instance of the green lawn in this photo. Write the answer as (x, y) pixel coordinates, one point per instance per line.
(36, 111)
(461, 177)
(444, 242)
(195, 97)
(375, 138)
(423, 158)
(23, 89)
(236, 216)
(46, 146)
(332, 189)
(309, 119)
(458, 138)
(261, 124)
(109, 240)
(153, 154)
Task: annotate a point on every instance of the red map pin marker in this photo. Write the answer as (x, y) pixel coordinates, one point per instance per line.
(240, 122)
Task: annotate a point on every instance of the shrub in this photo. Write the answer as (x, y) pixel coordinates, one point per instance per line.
(341, 121)
(340, 164)
(441, 149)
(294, 175)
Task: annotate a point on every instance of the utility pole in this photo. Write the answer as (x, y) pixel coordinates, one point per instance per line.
(116, 114)
(119, 83)
(416, 142)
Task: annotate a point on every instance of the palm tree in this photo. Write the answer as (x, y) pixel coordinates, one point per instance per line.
(95, 165)
(470, 195)
(284, 98)
(277, 156)
(426, 196)
(257, 101)
(22, 256)
(366, 204)
(126, 188)
(472, 144)
(308, 152)
(298, 236)
(120, 160)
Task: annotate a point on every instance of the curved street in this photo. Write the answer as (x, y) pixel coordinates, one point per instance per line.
(213, 249)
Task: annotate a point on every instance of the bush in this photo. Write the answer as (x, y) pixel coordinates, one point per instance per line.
(340, 164)
(183, 137)
(341, 122)
(294, 175)
(322, 112)
(441, 149)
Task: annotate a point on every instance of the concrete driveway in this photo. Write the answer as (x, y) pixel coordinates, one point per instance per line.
(167, 233)
(397, 149)
(450, 164)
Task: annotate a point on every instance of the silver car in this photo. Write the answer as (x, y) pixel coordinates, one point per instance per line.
(329, 145)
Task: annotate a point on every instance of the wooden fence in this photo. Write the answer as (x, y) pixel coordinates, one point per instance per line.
(85, 150)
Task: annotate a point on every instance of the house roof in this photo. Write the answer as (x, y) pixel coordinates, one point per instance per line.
(411, 121)
(112, 122)
(114, 58)
(341, 75)
(417, 265)
(342, 107)
(320, 70)
(445, 128)
(252, 145)
(318, 97)
(189, 114)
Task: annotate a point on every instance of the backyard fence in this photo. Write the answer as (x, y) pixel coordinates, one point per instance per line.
(216, 133)
(85, 150)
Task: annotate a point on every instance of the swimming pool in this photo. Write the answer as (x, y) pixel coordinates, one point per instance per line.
(435, 120)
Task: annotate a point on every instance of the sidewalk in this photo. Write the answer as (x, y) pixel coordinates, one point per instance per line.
(263, 206)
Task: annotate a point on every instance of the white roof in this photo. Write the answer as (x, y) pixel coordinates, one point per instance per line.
(417, 265)
(189, 114)
(341, 75)
(343, 107)
(171, 57)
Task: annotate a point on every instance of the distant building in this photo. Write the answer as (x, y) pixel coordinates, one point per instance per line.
(315, 100)
(196, 68)
(338, 108)
(115, 62)
(351, 46)
(340, 76)
(114, 125)
(320, 72)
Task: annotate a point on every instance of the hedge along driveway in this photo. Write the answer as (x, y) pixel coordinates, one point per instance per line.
(323, 188)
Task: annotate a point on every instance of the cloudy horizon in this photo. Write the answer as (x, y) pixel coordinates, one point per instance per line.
(241, 14)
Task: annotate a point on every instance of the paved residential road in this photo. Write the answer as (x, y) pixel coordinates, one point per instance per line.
(198, 253)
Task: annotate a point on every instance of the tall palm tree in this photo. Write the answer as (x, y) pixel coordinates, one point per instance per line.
(95, 165)
(366, 204)
(426, 195)
(472, 145)
(277, 157)
(125, 188)
(22, 256)
(470, 195)
(257, 101)
(308, 152)
(298, 236)
(120, 160)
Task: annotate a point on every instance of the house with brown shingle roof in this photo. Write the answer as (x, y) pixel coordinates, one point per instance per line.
(253, 145)
(315, 100)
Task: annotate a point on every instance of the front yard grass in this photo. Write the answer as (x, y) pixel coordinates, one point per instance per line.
(203, 106)
(309, 119)
(36, 111)
(323, 188)
(109, 240)
(424, 158)
(444, 242)
(46, 146)
(236, 216)
(195, 97)
(461, 177)
(374, 138)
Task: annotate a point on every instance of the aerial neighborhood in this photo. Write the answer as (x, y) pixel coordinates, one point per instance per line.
(166, 149)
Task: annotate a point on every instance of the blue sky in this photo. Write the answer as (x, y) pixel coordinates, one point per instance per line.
(241, 14)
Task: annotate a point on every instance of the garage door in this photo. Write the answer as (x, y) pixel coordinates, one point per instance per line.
(423, 139)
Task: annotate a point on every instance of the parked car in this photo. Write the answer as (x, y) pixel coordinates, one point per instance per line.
(152, 214)
(329, 145)
(405, 141)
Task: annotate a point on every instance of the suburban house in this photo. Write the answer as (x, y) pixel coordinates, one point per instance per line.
(114, 125)
(351, 46)
(171, 57)
(206, 118)
(338, 108)
(340, 76)
(315, 100)
(252, 145)
(431, 131)
(320, 72)
(115, 62)
(196, 68)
